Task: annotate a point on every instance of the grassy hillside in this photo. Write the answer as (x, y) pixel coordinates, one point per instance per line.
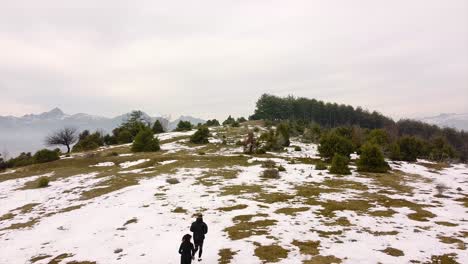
(114, 206)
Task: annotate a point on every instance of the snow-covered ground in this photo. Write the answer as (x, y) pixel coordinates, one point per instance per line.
(138, 224)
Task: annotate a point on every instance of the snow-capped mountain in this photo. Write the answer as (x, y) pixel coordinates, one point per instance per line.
(453, 120)
(27, 133)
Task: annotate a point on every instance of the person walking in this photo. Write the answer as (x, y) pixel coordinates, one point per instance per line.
(199, 229)
(186, 250)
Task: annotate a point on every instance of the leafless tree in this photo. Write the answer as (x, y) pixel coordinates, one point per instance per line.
(66, 136)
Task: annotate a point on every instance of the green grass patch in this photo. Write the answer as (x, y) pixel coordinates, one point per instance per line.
(291, 210)
(307, 247)
(393, 252)
(232, 208)
(179, 210)
(270, 253)
(226, 255)
(244, 227)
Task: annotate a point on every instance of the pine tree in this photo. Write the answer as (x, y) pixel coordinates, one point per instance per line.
(145, 141)
(157, 127)
(201, 136)
(340, 165)
(372, 159)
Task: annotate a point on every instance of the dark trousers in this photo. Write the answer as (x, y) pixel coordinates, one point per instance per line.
(198, 246)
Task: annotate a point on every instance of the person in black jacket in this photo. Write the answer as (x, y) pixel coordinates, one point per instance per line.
(199, 229)
(186, 250)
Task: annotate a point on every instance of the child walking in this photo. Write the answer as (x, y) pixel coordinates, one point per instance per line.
(186, 250)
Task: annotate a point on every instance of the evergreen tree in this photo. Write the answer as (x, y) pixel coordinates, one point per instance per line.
(340, 165)
(410, 148)
(124, 136)
(184, 126)
(201, 136)
(145, 141)
(372, 159)
(157, 127)
(229, 121)
(89, 141)
(331, 143)
(212, 122)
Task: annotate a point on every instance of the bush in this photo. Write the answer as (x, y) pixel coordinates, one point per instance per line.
(23, 159)
(201, 136)
(201, 153)
(172, 181)
(440, 150)
(320, 165)
(281, 168)
(410, 148)
(270, 174)
(297, 148)
(212, 122)
(43, 182)
(312, 133)
(45, 155)
(113, 154)
(340, 165)
(157, 127)
(229, 121)
(372, 159)
(89, 141)
(268, 164)
(332, 143)
(184, 126)
(145, 142)
(124, 136)
(260, 151)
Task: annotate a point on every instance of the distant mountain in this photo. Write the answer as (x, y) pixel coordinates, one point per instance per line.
(459, 121)
(27, 133)
(193, 120)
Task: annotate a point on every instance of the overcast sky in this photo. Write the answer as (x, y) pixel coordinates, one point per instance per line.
(214, 58)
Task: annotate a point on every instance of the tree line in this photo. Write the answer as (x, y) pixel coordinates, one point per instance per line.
(307, 113)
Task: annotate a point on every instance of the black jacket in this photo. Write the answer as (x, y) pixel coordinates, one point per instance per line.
(199, 229)
(186, 249)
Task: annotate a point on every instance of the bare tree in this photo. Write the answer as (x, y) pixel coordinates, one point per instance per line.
(66, 136)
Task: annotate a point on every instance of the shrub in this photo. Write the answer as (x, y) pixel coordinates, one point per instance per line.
(23, 159)
(340, 165)
(157, 127)
(201, 136)
(184, 126)
(281, 168)
(235, 124)
(410, 148)
(145, 142)
(320, 165)
(212, 122)
(268, 164)
(261, 151)
(372, 159)
(124, 136)
(332, 143)
(201, 153)
(43, 182)
(394, 151)
(256, 129)
(440, 150)
(297, 148)
(229, 121)
(172, 181)
(113, 154)
(45, 155)
(241, 120)
(109, 140)
(312, 133)
(270, 174)
(89, 141)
